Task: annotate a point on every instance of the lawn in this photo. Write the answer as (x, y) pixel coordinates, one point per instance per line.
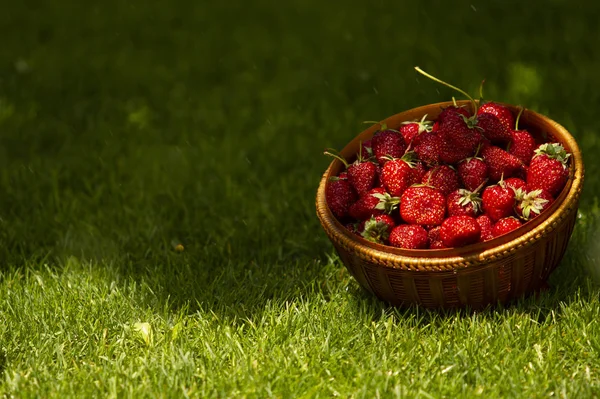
(127, 128)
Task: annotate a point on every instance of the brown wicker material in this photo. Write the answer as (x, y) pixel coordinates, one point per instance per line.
(496, 271)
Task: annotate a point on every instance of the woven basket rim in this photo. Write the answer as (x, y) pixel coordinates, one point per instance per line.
(472, 256)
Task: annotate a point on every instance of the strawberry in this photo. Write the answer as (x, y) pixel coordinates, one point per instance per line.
(522, 145)
(515, 183)
(410, 130)
(458, 231)
(453, 109)
(387, 143)
(433, 235)
(397, 175)
(486, 225)
(423, 205)
(493, 129)
(472, 172)
(409, 237)
(375, 202)
(463, 202)
(428, 147)
(548, 169)
(499, 111)
(500, 163)
(362, 174)
(378, 228)
(443, 178)
(531, 204)
(418, 171)
(339, 195)
(505, 225)
(461, 134)
(435, 127)
(498, 201)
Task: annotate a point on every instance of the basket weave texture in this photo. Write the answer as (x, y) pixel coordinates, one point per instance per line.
(496, 271)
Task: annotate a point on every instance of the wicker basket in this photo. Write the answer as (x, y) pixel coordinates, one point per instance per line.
(496, 271)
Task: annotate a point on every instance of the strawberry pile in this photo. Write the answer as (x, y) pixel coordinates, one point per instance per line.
(466, 177)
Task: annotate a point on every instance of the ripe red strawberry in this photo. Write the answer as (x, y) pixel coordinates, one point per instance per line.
(499, 111)
(498, 201)
(522, 145)
(500, 163)
(397, 175)
(362, 174)
(472, 172)
(387, 143)
(461, 138)
(433, 235)
(408, 237)
(515, 183)
(493, 129)
(458, 231)
(505, 225)
(423, 205)
(532, 203)
(463, 202)
(435, 127)
(410, 130)
(548, 169)
(486, 225)
(418, 171)
(378, 228)
(428, 147)
(339, 195)
(443, 178)
(453, 109)
(375, 202)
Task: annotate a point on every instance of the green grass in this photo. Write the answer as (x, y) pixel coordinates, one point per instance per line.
(129, 127)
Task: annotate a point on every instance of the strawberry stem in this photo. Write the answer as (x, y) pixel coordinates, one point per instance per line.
(481, 91)
(480, 187)
(473, 103)
(518, 118)
(332, 153)
(383, 126)
(477, 150)
(360, 158)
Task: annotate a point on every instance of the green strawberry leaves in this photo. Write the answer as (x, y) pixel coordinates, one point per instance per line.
(532, 202)
(386, 203)
(554, 151)
(375, 231)
(469, 197)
